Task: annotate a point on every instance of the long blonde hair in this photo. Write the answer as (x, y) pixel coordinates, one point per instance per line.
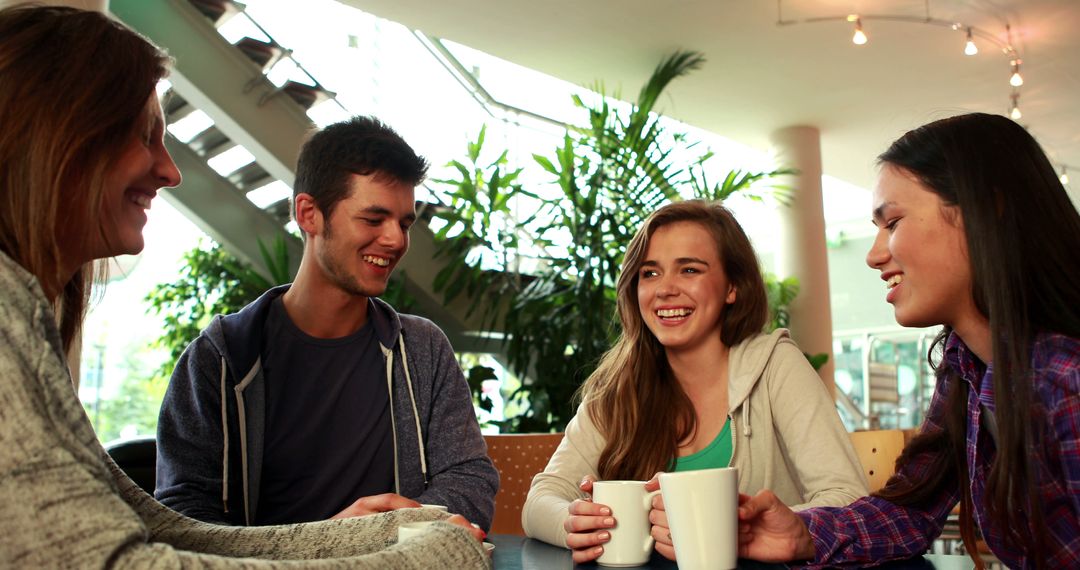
(632, 396)
(75, 86)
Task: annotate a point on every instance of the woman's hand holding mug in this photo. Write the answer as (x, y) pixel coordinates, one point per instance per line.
(586, 524)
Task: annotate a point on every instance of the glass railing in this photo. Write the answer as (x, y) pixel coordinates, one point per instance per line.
(883, 379)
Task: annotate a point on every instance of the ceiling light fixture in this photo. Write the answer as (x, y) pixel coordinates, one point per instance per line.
(859, 37)
(1015, 113)
(1016, 80)
(970, 48)
(1064, 175)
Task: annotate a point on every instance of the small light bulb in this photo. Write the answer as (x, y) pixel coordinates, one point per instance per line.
(859, 38)
(1016, 80)
(1014, 100)
(1064, 176)
(970, 48)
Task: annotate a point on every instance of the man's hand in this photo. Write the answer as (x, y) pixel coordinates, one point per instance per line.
(770, 532)
(465, 524)
(376, 504)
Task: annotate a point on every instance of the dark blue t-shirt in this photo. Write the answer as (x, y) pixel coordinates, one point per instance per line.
(328, 430)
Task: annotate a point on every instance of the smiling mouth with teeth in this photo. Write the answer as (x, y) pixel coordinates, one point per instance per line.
(140, 199)
(894, 281)
(380, 261)
(667, 313)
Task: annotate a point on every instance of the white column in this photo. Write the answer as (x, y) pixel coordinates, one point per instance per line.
(802, 251)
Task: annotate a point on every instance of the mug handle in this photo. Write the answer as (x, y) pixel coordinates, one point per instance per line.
(648, 507)
(648, 499)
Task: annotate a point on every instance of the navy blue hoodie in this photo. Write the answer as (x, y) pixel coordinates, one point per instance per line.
(211, 427)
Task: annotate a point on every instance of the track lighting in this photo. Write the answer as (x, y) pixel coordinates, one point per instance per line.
(995, 41)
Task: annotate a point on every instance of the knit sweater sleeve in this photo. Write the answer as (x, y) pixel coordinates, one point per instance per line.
(360, 542)
(552, 491)
(63, 505)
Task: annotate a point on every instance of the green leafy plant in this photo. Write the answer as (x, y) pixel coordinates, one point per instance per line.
(478, 218)
(781, 292)
(556, 269)
(212, 282)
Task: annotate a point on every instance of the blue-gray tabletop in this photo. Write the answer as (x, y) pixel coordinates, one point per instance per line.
(521, 553)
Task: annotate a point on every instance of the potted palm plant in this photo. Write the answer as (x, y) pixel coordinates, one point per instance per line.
(558, 302)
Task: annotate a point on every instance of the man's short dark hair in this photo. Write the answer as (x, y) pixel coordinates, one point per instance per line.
(361, 145)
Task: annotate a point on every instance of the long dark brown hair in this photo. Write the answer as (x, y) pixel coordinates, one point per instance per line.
(1023, 241)
(632, 396)
(75, 86)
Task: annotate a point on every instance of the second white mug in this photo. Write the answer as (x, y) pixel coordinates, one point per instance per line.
(702, 513)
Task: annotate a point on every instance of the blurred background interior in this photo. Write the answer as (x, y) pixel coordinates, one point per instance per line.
(783, 84)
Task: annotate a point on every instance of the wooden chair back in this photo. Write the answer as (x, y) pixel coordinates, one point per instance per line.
(518, 457)
(877, 451)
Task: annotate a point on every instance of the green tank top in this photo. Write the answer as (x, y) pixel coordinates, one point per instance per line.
(716, 454)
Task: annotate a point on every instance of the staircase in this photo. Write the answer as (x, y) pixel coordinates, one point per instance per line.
(228, 82)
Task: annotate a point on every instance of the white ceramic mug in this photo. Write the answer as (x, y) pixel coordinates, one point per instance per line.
(631, 541)
(702, 513)
(408, 530)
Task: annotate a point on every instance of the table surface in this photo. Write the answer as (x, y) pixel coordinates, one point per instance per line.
(521, 553)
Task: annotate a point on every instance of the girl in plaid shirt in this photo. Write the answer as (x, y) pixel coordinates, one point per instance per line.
(975, 233)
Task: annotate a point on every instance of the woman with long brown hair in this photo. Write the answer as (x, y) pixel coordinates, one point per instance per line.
(82, 156)
(693, 383)
(975, 233)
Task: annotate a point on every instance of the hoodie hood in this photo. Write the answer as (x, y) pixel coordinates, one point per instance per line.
(747, 361)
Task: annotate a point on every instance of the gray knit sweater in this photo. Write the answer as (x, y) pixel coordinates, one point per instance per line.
(63, 503)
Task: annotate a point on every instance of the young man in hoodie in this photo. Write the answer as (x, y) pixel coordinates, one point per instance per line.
(318, 400)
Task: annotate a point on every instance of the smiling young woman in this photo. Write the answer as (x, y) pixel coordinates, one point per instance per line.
(677, 390)
(82, 156)
(58, 131)
(977, 234)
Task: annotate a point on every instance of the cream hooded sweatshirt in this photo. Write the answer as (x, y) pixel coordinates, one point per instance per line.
(786, 437)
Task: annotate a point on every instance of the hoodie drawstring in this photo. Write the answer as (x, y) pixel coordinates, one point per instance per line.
(415, 411)
(389, 354)
(225, 444)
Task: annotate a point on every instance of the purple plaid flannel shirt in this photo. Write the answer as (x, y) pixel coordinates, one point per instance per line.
(873, 530)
